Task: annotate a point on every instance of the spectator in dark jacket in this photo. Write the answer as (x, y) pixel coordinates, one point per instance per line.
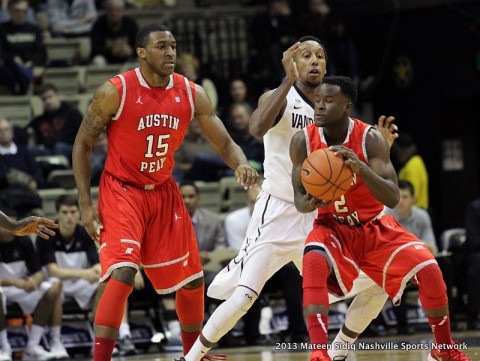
(21, 47)
(56, 128)
(113, 36)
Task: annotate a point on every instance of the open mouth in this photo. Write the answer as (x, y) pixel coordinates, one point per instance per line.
(315, 72)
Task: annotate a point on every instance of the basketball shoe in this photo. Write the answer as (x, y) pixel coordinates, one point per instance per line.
(447, 355)
(318, 355)
(207, 357)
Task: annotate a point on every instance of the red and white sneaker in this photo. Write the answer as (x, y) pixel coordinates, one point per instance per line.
(214, 357)
(452, 354)
(318, 355)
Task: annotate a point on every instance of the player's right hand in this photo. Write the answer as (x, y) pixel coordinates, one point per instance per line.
(92, 223)
(289, 65)
(315, 202)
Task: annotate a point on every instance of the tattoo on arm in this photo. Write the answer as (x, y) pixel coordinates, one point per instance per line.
(95, 118)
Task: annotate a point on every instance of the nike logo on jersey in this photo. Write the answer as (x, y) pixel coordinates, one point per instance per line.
(139, 100)
(295, 107)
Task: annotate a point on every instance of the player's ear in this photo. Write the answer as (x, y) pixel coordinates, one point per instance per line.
(141, 53)
(348, 106)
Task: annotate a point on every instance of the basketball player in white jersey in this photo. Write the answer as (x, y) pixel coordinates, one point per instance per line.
(277, 231)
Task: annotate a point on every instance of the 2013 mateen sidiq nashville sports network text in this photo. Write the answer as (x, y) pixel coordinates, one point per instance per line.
(405, 346)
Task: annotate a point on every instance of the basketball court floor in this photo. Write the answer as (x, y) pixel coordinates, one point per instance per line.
(374, 349)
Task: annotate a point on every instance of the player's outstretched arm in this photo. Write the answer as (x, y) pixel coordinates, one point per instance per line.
(39, 226)
(379, 175)
(216, 133)
(103, 107)
(304, 202)
(271, 105)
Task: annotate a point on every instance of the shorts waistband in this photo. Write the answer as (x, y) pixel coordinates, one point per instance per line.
(147, 187)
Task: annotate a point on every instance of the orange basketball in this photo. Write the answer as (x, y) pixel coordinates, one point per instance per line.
(325, 175)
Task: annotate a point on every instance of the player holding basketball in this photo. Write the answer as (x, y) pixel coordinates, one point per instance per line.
(277, 231)
(141, 216)
(335, 252)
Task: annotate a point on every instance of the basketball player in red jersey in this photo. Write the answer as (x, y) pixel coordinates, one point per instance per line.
(351, 233)
(141, 216)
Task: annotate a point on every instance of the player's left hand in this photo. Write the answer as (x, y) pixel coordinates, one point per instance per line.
(37, 225)
(350, 157)
(387, 128)
(246, 176)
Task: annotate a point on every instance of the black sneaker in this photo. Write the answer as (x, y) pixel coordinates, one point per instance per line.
(126, 347)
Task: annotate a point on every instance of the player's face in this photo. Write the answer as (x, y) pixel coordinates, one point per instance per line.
(68, 217)
(160, 54)
(331, 106)
(311, 63)
(190, 198)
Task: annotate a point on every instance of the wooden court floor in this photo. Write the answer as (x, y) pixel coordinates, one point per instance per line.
(385, 348)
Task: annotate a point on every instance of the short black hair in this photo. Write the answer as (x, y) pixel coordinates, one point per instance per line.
(313, 38)
(46, 88)
(66, 200)
(189, 183)
(143, 33)
(346, 84)
(404, 184)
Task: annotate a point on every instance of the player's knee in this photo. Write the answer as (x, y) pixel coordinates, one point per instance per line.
(313, 309)
(198, 282)
(244, 298)
(125, 275)
(369, 302)
(432, 288)
(57, 288)
(316, 267)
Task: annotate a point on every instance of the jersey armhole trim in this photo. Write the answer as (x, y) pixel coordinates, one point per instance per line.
(190, 97)
(307, 140)
(364, 142)
(124, 95)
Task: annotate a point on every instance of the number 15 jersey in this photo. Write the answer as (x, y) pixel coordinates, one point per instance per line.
(148, 128)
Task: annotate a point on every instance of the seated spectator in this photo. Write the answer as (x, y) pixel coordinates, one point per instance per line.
(23, 282)
(113, 36)
(71, 255)
(207, 225)
(20, 174)
(252, 147)
(21, 47)
(189, 66)
(197, 158)
(5, 14)
(71, 18)
(238, 93)
(55, 129)
(287, 279)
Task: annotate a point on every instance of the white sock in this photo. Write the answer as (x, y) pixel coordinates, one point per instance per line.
(124, 330)
(197, 351)
(341, 345)
(4, 344)
(36, 334)
(55, 333)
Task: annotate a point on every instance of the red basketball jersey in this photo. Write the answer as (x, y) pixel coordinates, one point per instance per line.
(148, 128)
(357, 205)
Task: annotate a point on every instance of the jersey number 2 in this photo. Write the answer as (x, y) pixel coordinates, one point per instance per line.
(161, 148)
(340, 205)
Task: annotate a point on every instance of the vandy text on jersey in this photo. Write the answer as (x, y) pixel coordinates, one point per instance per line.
(156, 145)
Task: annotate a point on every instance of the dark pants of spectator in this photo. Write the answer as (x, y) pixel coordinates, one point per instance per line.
(17, 78)
(58, 148)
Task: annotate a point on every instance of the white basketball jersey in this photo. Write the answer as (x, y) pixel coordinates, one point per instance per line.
(277, 165)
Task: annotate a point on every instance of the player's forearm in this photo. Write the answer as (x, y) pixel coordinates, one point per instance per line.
(385, 191)
(6, 223)
(82, 162)
(264, 116)
(233, 155)
(37, 278)
(302, 205)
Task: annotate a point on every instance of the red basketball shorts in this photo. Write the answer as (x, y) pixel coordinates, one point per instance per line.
(149, 227)
(381, 248)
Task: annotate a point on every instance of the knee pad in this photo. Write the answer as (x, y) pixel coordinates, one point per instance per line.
(432, 288)
(365, 307)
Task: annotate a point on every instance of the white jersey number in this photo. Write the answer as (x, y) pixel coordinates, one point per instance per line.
(340, 205)
(162, 148)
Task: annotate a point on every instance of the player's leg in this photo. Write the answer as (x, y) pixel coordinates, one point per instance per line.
(110, 311)
(189, 304)
(315, 271)
(364, 308)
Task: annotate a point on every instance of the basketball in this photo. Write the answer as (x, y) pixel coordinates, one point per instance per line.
(325, 176)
